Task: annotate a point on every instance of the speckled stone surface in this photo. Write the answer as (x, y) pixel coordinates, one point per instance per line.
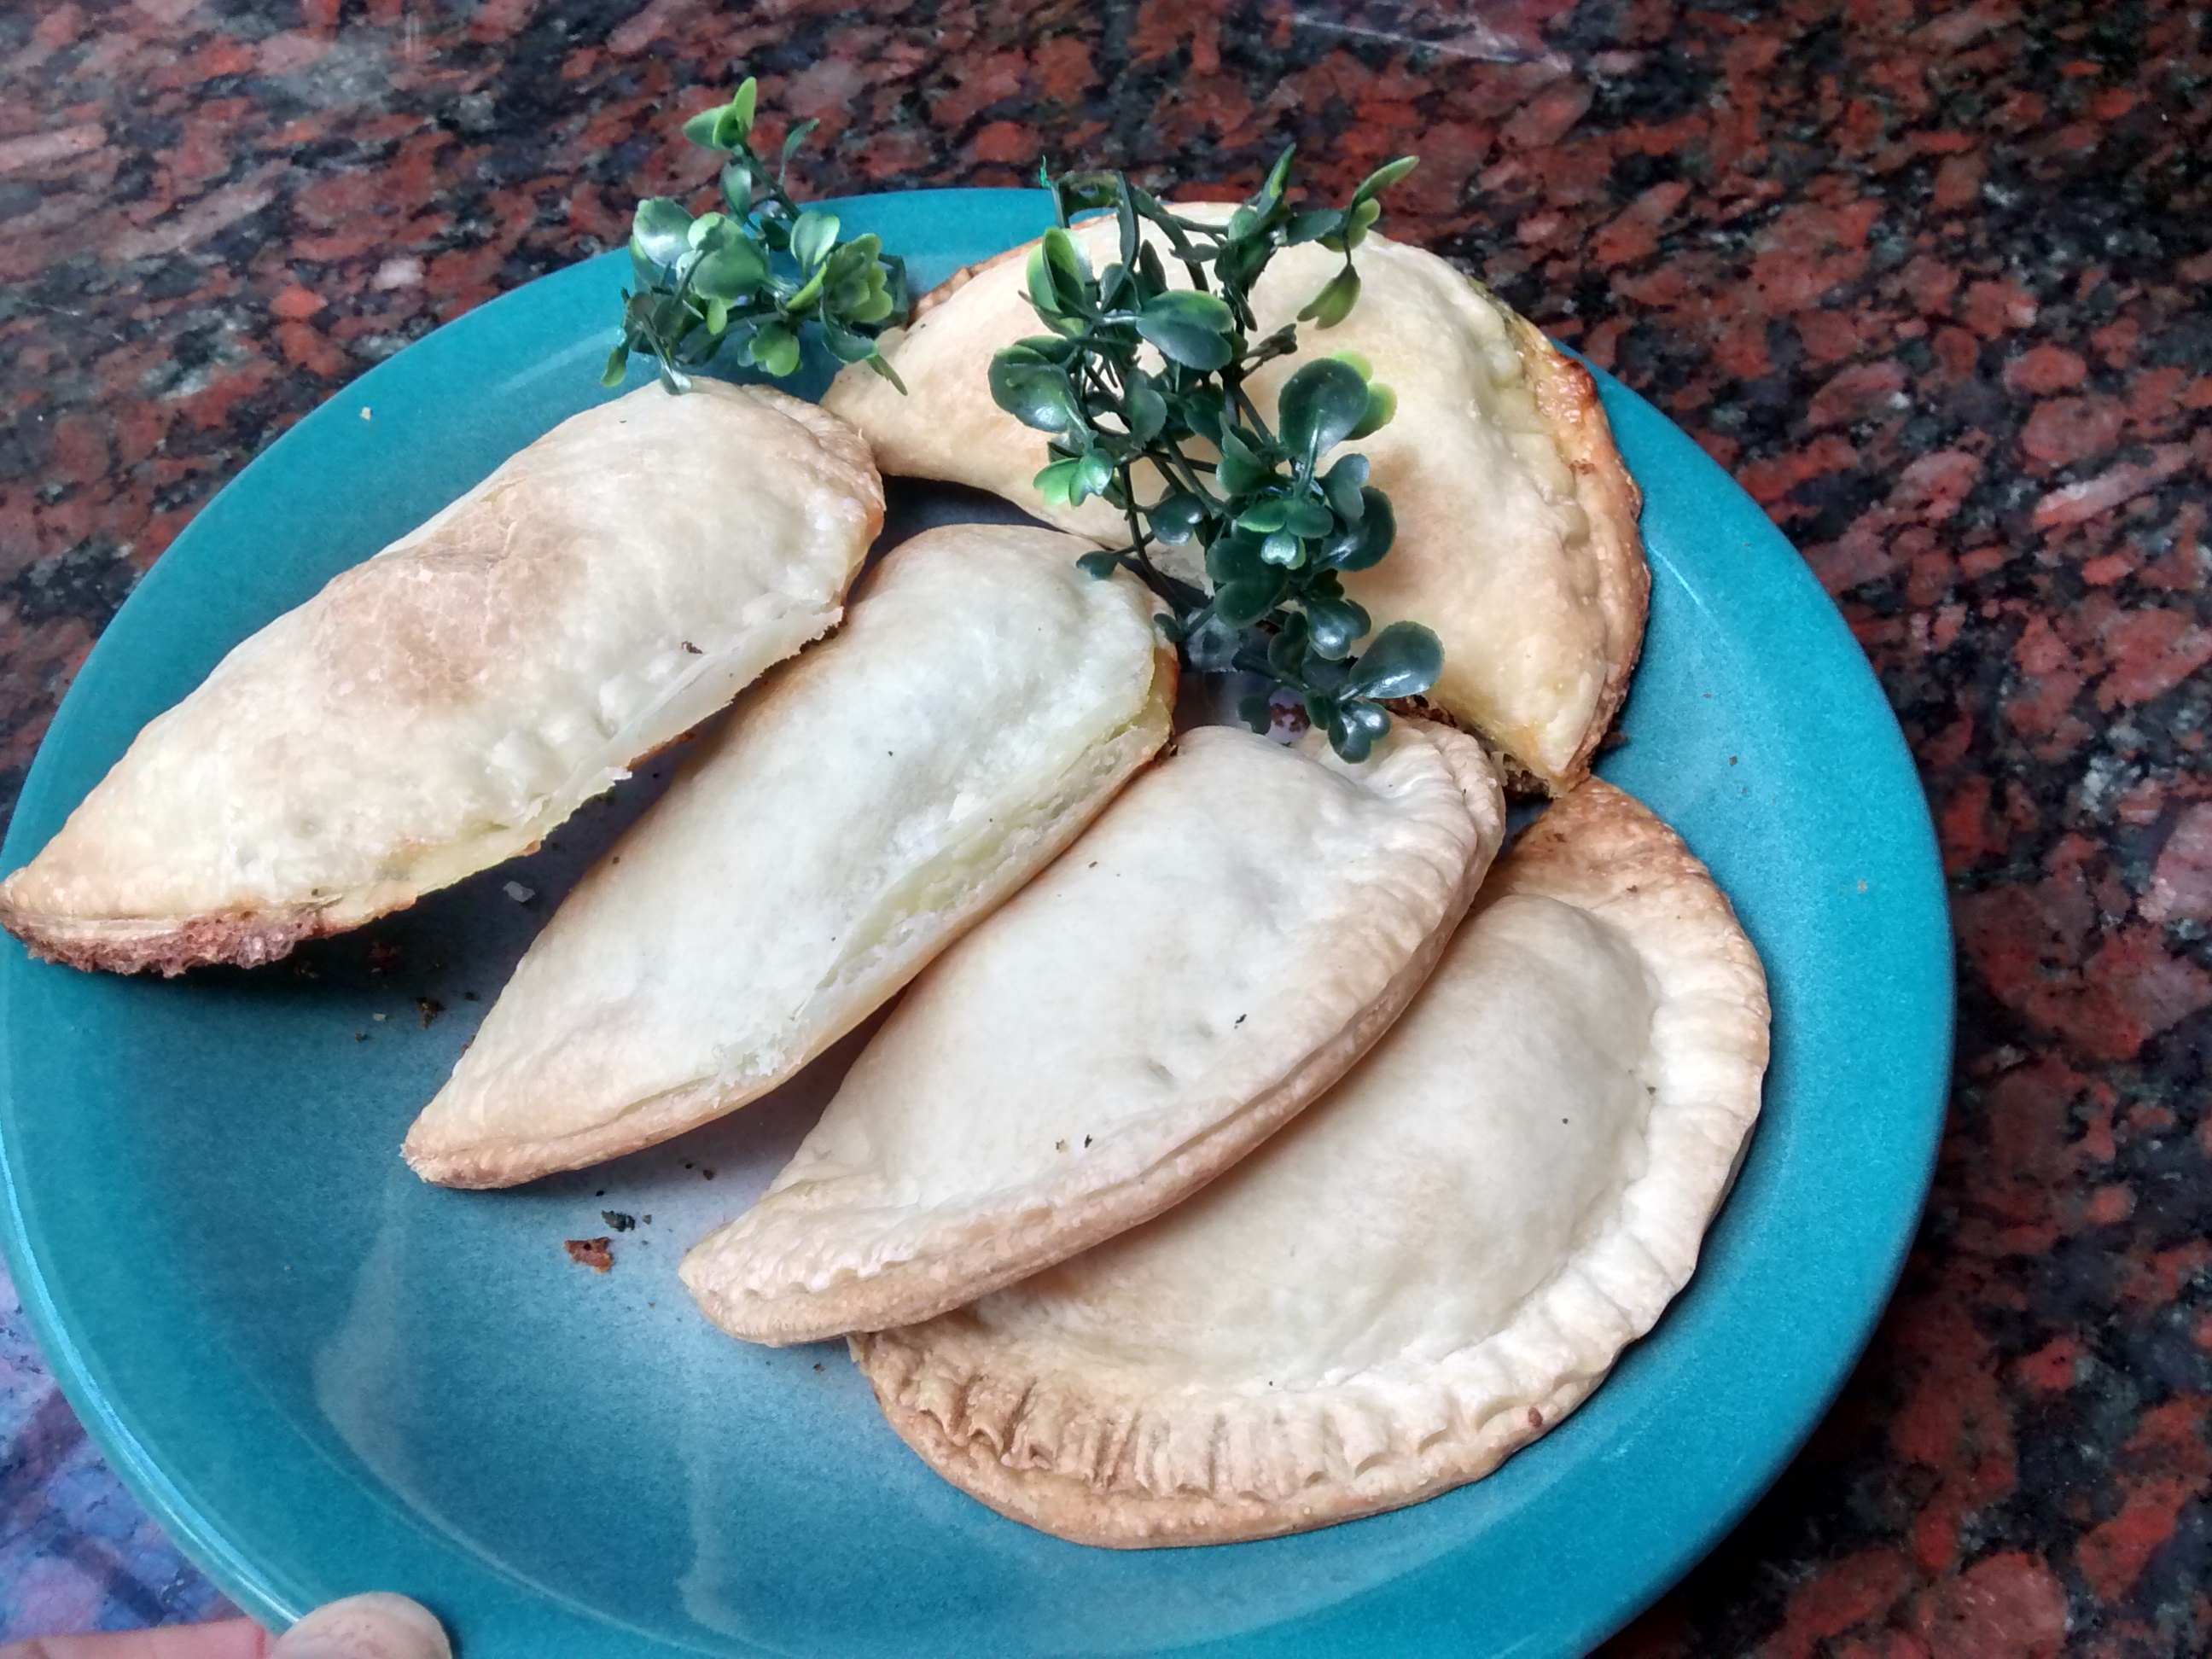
(1935, 280)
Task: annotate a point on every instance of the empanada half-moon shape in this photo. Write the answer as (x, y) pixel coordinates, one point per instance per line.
(1516, 542)
(1431, 1268)
(438, 707)
(984, 699)
(1232, 933)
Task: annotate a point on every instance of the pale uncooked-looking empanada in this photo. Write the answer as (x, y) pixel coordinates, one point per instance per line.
(1228, 938)
(437, 708)
(1432, 1267)
(984, 701)
(1516, 521)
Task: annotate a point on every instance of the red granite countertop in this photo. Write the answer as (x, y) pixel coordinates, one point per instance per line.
(1935, 282)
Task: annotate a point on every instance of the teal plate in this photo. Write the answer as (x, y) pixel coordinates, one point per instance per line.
(323, 1376)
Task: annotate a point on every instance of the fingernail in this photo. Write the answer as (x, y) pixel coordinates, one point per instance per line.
(373, 1626)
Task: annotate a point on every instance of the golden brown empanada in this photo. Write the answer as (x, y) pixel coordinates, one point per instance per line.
(438, 707)
(1431, 1268)
(1516, 521)
(984, 699)
(1229, 937)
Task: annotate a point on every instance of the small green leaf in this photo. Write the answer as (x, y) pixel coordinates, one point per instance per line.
(617, 365)
(1038, 395)
(1203, 408)
(1288, 648)
(1334, 303)
(1404, 661)
(737, 177)
(1382, 409)
(1043, 291)
(1071, 264)
(1101, 565)
(1254, 710)
(1047, 348)
(1176, 519)
(1150, 271)
(876, 308)
(1241, 262)
(812, 237)
(1244, 601)
(1320, 405)
(1239, 471)
(1385, 176)
(731, 272)
(1354, 729)
(1278, 176)
(1234, 556)
(1311, 225)
(1360, 222)
(1334, 627)
(742, 105)
(661, 230)
(882, 365)
(1092, 474)
(809, 291)
(775, 349)
(1342, 486)
(718, 317)
(798, 135)
(1188, 328)
(1266, 518)
(1055, 482)
(844, 344)
(1368, 540)
(704, 128)
(1058, 271)
(1308, 518)
(1148, 411)
(1283, 549)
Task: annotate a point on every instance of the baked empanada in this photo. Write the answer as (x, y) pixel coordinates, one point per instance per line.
(984, 701)
(1229, 937)
(1516, 521)
(1432, 1267)
(438, 707)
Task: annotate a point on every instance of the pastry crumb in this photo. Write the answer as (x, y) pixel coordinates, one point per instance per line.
(592, 1252)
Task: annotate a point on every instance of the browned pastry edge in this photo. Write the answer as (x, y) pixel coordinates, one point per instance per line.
(1598, 848)
(172, 946)
(1073, 1510)
(1567, 397)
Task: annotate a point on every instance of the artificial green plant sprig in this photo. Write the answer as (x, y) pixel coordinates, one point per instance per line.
(1277, 521)
(754, 277)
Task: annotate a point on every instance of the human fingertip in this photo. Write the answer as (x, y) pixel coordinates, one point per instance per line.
(377, 1625)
